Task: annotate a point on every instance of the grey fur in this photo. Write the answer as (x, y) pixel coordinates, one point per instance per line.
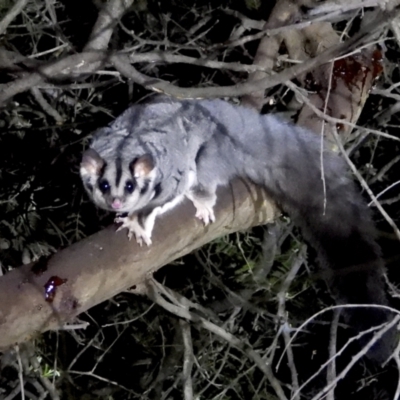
(197, 146)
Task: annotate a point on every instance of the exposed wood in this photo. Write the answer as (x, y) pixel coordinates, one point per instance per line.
(107, 263)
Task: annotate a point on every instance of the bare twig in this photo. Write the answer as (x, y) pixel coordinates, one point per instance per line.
(396, 358)
(102, 379)
(344, 6)
(187, 360)
(364, 184)
(379, 176)
(155, 288)
(66, 67)
(383, 328)
(11, 14)
(20, 372)
(331, 369)
(281, 313)
(122, 65)
(108, 18)
(357, 357)
(334, 120)
(46, 106)
(165, 57)
(387, 201)
(87, 62)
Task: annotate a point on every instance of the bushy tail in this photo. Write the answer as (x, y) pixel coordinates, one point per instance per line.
(335, 220)
(317, 192)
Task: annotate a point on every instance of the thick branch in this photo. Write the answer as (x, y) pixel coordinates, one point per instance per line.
(106, 263)
(268, 48)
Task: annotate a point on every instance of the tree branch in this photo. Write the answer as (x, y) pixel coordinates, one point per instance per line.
(14, 11)
(108, 18)
(106, 263)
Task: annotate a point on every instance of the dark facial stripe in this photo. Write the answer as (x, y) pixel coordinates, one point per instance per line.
(118, 171)
(88, 186)
(102, 170)
(145, 187)
(157, 190)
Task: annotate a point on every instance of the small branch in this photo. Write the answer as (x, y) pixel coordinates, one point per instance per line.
(383, 328)
(155, 288)
(108, 18)
(66, 67)
(364, 184)
(12, 13)
(331, 368)
(281, 313)
(89, 61)
(187, 360)
(20, 373)
(343, 6)
(334, 120)
(332, 17)
(164, 57)
(397, 361)
(357, 357)
(122, 64)
(47, 108)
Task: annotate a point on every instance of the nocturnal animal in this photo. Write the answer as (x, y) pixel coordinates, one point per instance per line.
(156, 154)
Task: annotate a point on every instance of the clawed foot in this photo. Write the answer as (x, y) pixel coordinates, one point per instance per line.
(204, 213)
(134, 228)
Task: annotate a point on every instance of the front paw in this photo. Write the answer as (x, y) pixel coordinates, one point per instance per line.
(204, 213)
(134, 228)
